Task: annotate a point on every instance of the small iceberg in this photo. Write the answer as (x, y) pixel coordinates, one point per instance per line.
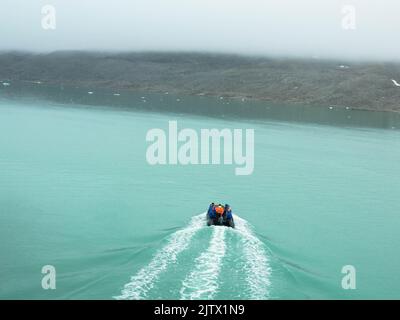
(6, 84)
(90, 92)
(116, 94)
(396, 83)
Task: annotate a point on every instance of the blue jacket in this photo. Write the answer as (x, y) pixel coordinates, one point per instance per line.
(229, 215)
(211, 211)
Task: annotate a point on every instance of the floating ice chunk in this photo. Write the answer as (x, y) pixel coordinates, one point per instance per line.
(178, 99)
(116, 94)
(90, 92)
(344, 66)
(6, 84)
(330, 108)
(396, 83)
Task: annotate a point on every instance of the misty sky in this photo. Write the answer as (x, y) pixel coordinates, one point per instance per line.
(271, 27)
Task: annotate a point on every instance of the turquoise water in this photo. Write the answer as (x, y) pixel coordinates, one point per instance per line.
(77, 193)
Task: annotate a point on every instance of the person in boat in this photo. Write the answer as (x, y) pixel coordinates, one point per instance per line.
(215, 214)
(211, 211)
(228, 216)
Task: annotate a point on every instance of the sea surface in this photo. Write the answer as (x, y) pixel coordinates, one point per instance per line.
(77, 193)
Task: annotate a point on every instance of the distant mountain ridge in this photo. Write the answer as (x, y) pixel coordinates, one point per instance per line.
(370, 86)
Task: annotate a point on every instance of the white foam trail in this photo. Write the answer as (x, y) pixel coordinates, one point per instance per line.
(202, 282)
(144, 280)
(256, 266)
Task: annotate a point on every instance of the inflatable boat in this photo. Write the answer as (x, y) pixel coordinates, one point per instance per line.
(219, 215)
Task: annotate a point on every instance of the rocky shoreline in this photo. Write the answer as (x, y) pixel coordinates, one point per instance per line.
(366, 86)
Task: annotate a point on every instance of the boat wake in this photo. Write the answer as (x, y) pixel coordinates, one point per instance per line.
(203, 280)
(257, 268)
(144, 280)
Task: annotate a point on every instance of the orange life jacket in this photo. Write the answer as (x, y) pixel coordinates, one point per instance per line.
(219, 210)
